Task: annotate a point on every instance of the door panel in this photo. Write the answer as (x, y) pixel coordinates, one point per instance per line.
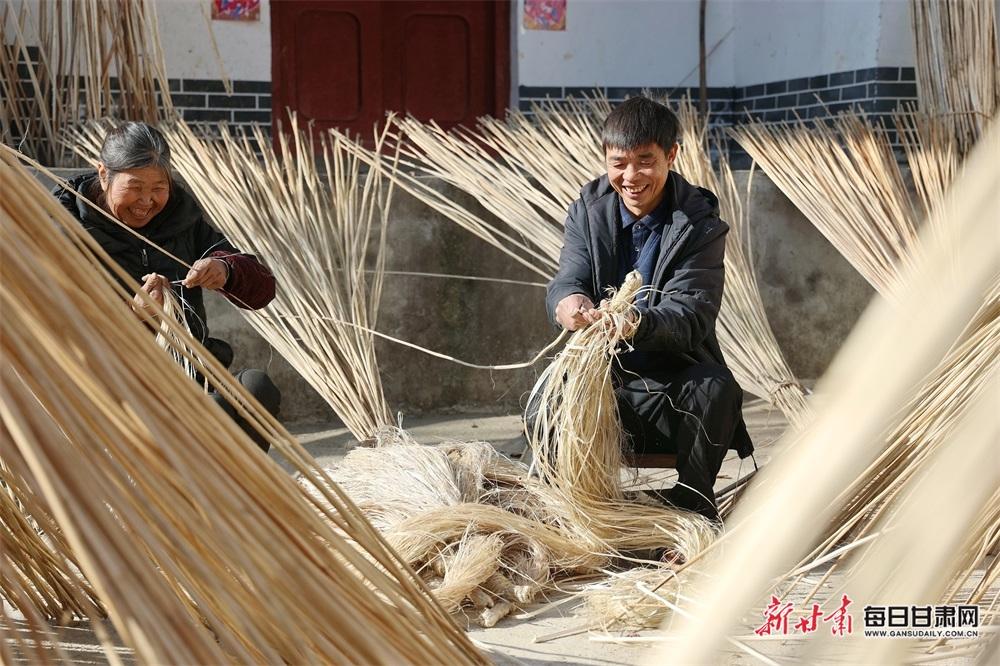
(345, 63)
(332, 93)
(325, 57)
(439, 44)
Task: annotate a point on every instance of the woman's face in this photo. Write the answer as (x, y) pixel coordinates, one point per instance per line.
(135, 196)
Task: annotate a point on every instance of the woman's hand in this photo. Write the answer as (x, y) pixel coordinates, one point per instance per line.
(209, 273)
(155, 285)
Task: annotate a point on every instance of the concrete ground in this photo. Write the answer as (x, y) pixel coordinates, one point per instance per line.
(513, 640)
(556, 635)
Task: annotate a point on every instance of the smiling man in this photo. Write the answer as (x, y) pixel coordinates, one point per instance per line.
(675, 393)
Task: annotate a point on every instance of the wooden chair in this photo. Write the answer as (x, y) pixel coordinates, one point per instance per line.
(638, 461)
(651, 460)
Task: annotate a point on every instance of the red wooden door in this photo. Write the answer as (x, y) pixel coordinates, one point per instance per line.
(345, 63)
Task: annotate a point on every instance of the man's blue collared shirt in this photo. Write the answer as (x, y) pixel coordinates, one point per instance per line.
(640, 240)
(639, 248)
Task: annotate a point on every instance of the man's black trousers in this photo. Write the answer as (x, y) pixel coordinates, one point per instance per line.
(688, 410)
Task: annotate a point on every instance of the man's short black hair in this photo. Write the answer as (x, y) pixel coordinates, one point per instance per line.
(639, 121)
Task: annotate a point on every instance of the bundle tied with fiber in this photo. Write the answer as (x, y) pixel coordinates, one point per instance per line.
(957, 65)
(200, 549)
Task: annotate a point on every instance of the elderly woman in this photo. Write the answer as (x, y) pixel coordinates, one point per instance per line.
(133, 184)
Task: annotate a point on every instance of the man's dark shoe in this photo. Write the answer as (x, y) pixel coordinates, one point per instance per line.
(686, 499)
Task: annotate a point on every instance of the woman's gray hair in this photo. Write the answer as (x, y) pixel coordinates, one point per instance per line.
(134, 145)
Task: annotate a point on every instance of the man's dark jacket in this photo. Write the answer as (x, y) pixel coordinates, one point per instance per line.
(180, 229)
(687, 280)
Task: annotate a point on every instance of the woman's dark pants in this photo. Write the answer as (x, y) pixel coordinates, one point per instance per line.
(257, 384)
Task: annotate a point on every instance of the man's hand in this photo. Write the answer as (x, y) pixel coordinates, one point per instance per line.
(629, 322)
(575, 311)
(208, 273)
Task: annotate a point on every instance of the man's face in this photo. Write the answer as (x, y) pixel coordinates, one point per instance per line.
(639, 175)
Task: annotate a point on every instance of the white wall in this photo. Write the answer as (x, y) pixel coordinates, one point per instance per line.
(655, 42)
(245, 46)
(787, 39)
(614, 42)
(625, 43)
(619, 42)
(896, 47)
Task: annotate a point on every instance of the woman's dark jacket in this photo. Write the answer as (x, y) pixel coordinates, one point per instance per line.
(687, 281)
(180, 229)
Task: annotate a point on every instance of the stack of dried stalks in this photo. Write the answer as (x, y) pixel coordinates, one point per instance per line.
(320, 225)
(529, 220)
(946, 511)
(846, 180)
(959, 381)
(39, 566)
(39, 574)
(558, 145)
(933, 158)
(958, 64)
(752, 352)
(200, 548)
(81, 46)
(527, 171)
